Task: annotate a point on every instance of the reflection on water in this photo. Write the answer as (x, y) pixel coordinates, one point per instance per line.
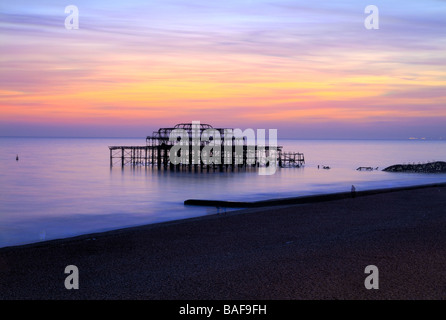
(65, 187)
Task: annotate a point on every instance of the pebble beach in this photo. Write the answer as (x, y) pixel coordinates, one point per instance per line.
(310, 251)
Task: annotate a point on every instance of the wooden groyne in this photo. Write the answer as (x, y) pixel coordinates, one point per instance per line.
(304, 199)
(228, 153)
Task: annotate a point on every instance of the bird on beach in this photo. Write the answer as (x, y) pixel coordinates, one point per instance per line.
(17, 158)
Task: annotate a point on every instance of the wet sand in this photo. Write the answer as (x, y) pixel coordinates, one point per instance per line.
(315, 250)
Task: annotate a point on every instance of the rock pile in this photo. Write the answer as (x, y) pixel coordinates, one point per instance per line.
(431, 167)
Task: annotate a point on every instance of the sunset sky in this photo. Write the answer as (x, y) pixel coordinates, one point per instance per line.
(307, 68)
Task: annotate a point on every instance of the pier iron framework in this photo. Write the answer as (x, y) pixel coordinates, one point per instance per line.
(233, 152)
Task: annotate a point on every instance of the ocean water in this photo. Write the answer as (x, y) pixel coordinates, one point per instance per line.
(63, 187)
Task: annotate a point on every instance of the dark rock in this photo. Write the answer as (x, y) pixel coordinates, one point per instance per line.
(431, 167)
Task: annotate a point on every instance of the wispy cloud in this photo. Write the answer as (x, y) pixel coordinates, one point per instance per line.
(280, 60)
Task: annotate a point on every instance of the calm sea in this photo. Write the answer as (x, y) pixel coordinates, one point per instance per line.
(65, 187)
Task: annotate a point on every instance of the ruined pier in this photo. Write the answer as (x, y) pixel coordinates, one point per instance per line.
(216, 148)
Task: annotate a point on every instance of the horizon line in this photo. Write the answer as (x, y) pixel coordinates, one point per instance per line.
(309, 139)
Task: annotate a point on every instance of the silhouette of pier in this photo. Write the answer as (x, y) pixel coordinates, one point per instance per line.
(202, 147)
